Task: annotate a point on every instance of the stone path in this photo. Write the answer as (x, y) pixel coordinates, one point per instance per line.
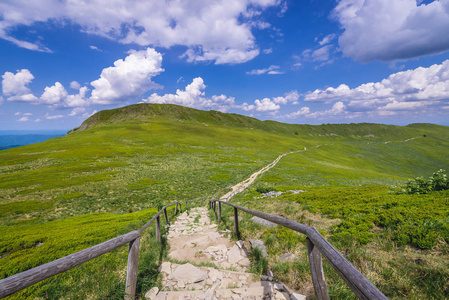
(194, 239)
(241, 186)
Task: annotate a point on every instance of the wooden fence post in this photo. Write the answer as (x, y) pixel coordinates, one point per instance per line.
(219, 212)
(316, 270)
(166, 217)
(131, 273)
(236, 222)
(176, 208)
(158, 228)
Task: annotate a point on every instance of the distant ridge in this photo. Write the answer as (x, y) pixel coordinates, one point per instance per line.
(145, 112)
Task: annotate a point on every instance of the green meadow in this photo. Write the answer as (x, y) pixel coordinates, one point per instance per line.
(106, 177)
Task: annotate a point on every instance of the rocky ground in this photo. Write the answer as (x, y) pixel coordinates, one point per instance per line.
(195, 242)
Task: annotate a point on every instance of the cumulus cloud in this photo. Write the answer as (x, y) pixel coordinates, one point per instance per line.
(57, 96)
(23, 119)
(272, 70)
(75, 85)
(304, 111)
(211, 30)
(128, 78)
(290, 97)
(392, 29)
(194, 96)
(266, 105)
(337, 109)
(15, 86)
(54, 94)
(402, 91)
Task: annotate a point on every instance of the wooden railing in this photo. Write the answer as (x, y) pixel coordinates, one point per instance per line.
(317, 245)
(17, 282)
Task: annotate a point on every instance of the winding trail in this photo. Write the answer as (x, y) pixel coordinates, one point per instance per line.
(241, 186)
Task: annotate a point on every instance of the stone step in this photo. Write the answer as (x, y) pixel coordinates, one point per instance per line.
(193, 238)
(258, 290)
(188, 277)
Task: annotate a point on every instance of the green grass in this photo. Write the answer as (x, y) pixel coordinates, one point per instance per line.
(70, 193)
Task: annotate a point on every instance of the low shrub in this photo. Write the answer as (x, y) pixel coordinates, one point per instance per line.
(264, 190)
(420, 235)
(437, 182)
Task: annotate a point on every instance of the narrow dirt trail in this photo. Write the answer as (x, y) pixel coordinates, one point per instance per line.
(241, 186)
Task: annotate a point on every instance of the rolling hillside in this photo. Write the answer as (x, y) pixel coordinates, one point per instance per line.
(106, 177)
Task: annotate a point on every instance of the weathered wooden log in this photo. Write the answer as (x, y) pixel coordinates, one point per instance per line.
(358, 283)
(131, 273)
(158, 228)
(25, 279)
(166, 216)
(316, 270)
(236, 222)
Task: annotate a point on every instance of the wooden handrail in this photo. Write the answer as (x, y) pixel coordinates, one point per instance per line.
(359, 284)
(17, 282)
(27, 278)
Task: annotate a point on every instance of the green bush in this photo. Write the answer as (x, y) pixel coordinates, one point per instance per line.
(437, 182)
(264, 190)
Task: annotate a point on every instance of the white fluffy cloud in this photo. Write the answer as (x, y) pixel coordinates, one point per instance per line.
(15, 86)
(272, 70)
(128, 78)
(304, 111)
(212, 30)
(337, 109)
(392, 29)
(75, 85)
(266, 105)
(57, 96)
(290, 97)
(54, 95)
(402, 91)
(194, 96)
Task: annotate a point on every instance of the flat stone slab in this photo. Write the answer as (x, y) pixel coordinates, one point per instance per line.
(188, 274)
(180, 278)
(263, 222)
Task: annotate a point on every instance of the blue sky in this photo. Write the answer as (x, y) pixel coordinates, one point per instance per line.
(305, 62)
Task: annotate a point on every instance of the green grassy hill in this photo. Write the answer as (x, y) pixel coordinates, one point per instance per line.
(106, 177)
